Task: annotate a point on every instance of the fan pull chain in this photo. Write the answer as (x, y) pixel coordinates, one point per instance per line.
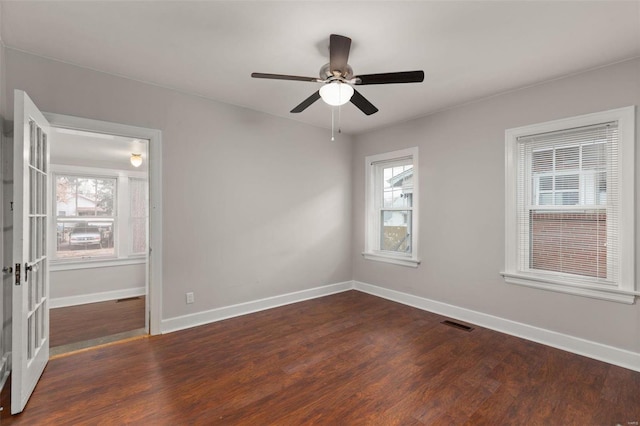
(332, 123)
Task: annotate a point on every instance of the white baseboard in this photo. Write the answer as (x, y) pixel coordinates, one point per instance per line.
(61, 302)
(213, 315)
(590, 349)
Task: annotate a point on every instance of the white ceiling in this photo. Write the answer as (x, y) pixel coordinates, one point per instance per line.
(468, 50)
(88, 149)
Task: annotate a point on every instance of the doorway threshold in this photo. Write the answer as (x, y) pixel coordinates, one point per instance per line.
(64, 350)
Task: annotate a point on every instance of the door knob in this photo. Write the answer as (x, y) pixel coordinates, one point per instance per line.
(7, 269)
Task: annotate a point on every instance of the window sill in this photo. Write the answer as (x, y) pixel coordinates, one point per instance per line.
(98, 263)
(404, 261)
(612, 294)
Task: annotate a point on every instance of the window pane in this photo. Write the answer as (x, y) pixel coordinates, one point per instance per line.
(595, 188)
(546, 183)
(542, 161)
(395, 232)
(569, 242)
(567, 182)
(398, 186)
(594, 156)
(567, 198)
(77, 239)
(568, 158)
(105, 197)
(546, 199)
(82, 196)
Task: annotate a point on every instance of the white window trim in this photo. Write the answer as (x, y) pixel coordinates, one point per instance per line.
(97, 263)
(370, 251)
(625, 290)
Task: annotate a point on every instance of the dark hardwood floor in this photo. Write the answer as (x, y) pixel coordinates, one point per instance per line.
(75, 324)
(346, 359)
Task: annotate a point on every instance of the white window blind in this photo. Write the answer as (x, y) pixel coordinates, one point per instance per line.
(568, 202)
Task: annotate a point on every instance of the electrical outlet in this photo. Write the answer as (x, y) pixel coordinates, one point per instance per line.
(190, 298)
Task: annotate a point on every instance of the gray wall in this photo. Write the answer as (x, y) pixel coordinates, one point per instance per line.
(254, 206)
(83, 282)
(462, 237)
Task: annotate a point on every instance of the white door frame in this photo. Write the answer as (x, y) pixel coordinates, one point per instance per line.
(154, 136)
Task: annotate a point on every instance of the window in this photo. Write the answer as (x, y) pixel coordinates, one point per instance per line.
(392, 201)
(569, 201)
(99, 218)
(86, 216)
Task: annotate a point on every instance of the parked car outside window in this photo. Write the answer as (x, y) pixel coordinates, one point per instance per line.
(84, 237)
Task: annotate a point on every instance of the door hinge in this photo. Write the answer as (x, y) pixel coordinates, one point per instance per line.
(17, 272)
(11, 203)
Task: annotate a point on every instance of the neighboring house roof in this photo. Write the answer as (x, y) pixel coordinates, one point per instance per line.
(399, 179)
(83, 204)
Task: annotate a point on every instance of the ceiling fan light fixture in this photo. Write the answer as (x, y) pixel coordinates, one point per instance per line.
(136, 160)
(336, 93)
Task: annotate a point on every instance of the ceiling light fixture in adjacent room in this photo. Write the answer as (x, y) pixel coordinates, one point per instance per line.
(136, 160)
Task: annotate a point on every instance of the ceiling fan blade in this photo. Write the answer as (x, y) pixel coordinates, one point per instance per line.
(339, 47)
(307, 102)
(391, 77)
(284, 77)
(362, 103)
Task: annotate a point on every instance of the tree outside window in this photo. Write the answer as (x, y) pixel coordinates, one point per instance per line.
(86, 216)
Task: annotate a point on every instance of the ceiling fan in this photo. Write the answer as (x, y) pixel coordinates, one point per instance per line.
(338, 79)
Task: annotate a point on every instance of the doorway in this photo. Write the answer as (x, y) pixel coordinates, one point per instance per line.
(98, 238)
(151, 140)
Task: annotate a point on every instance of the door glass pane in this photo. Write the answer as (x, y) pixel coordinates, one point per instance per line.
(33, 191)
(33, 235)
(30, 337)
(32, 143)
(43, 236)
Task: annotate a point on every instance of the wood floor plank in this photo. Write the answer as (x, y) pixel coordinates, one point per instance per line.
(345, 359)
(90, 321)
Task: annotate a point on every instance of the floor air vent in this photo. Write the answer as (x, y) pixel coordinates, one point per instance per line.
(457, 325)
